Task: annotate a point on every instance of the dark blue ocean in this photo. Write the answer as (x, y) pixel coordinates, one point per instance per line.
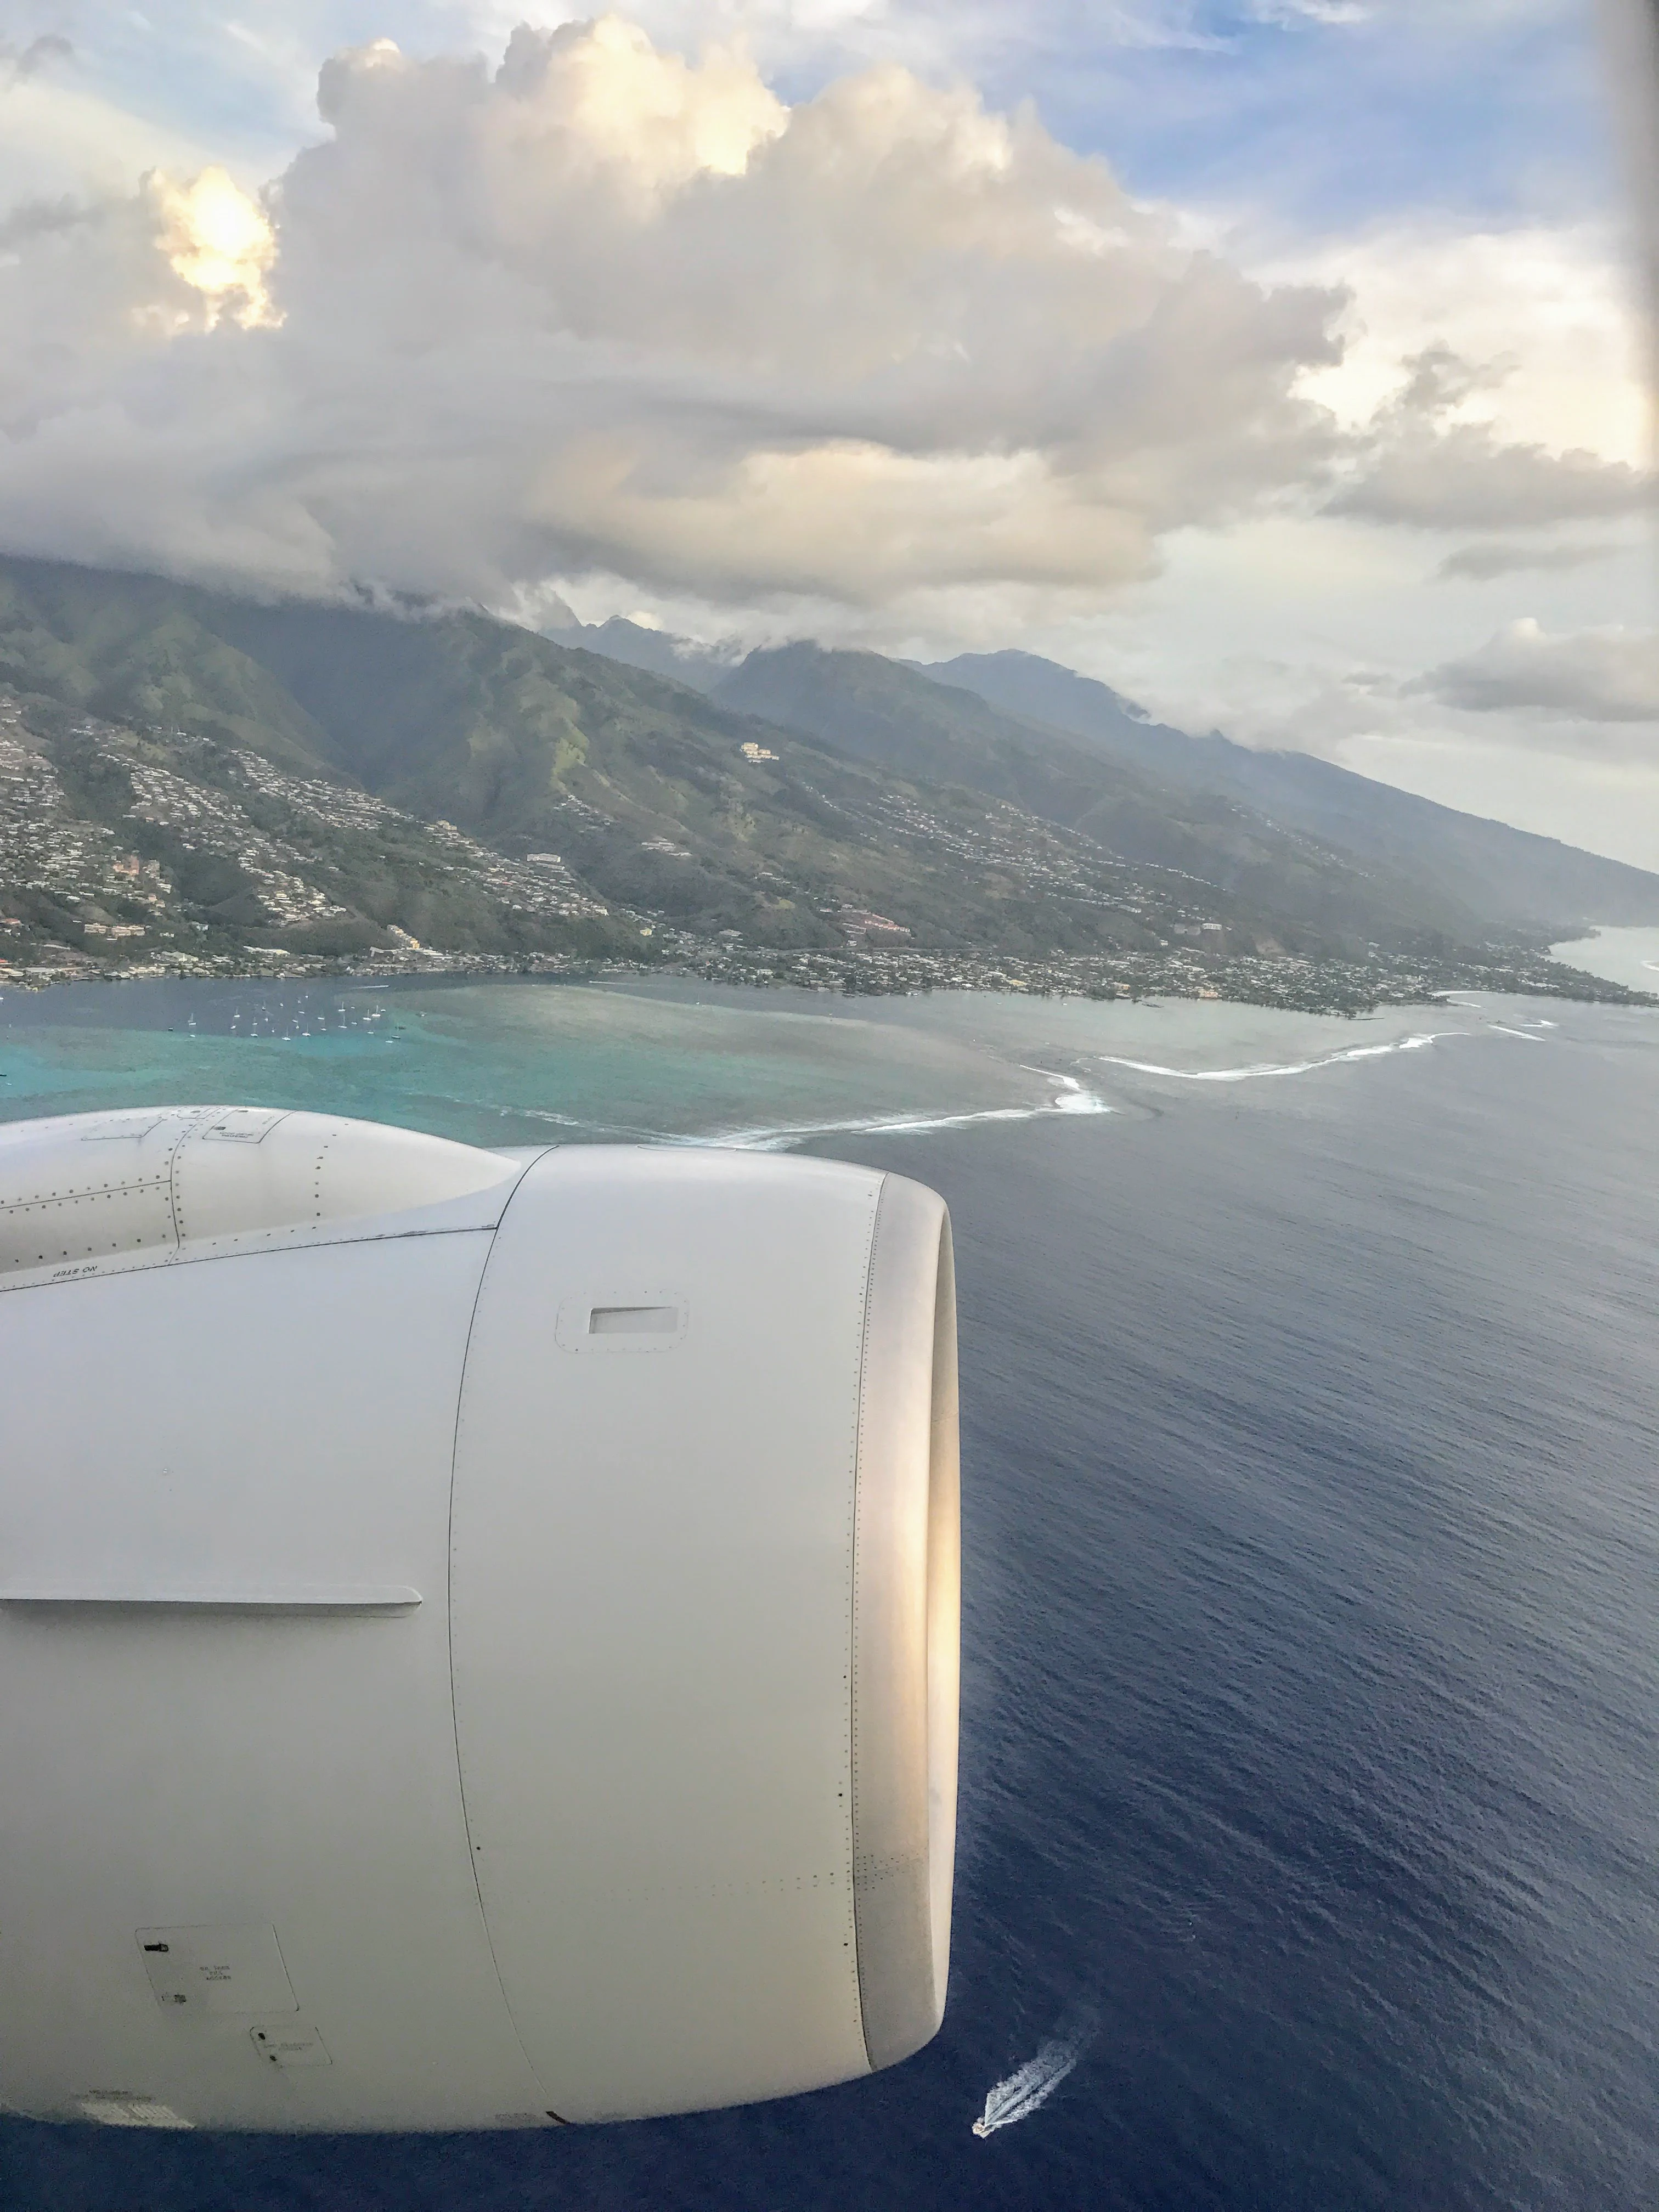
(1311, 1685)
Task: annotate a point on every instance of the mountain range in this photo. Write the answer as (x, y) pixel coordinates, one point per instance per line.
(364, 775)
(1486, 873)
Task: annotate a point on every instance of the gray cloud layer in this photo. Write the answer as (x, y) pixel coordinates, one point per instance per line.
(1603, 676)
(18, 63)
(1481, 563)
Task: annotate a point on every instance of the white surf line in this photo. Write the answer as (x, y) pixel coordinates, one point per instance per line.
(567, 1121)
(1413, 1043)
(1520, 1029)
(610, 1131)
(1031, 2085)
(1073, 1098)
(779, 1138)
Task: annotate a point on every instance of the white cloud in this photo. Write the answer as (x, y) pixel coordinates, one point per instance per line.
(1545, 314)
(1427, 465)
(1311, 11)
(605, 312)
(1490, 380)
(609, 310)
(881, 365)
(219, 241)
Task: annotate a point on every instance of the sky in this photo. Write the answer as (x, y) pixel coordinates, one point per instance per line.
(1279, 362)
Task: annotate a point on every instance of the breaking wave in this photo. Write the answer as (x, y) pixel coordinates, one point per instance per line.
(1416, 1043)
(1032, 2084)
(1070, 1098)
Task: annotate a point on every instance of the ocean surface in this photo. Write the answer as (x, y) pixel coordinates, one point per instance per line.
(1627, 956)
(1309, 1840)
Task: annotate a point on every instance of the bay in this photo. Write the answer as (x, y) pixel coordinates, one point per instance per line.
(1624, 956)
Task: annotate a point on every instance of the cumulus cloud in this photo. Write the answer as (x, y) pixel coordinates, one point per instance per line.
(1427, 464)
(1609, 675)
(607, 310)
(218, 240)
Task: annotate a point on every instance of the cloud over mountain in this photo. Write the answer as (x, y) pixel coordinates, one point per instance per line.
(605, 309)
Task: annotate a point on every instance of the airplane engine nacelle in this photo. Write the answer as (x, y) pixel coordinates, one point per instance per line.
(478, 1635)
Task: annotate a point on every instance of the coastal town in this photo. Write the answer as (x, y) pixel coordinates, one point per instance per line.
(134, 854)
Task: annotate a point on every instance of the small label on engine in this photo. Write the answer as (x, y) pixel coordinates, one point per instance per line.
(120, 2108)
(292, 2045)
(217, 1970)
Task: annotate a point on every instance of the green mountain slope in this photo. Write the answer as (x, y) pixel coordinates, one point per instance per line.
(662, 806)
(185, 775)
(883, 712)
(1511, 876)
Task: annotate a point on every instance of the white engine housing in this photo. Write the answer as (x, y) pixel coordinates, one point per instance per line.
(478, 1636)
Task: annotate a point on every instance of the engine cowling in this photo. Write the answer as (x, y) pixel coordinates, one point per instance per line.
(478, 1635)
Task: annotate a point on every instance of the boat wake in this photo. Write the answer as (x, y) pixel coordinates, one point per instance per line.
(1031, 2085)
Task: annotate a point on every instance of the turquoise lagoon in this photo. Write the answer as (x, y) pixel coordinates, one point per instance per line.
(529, 1062)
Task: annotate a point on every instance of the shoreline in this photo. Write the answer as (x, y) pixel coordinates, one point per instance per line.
(1283, 982)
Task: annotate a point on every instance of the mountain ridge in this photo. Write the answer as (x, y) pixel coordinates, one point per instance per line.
(891, 713)
(1375, 820)
(1516, 878)
(667, 810)
(210, 776)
